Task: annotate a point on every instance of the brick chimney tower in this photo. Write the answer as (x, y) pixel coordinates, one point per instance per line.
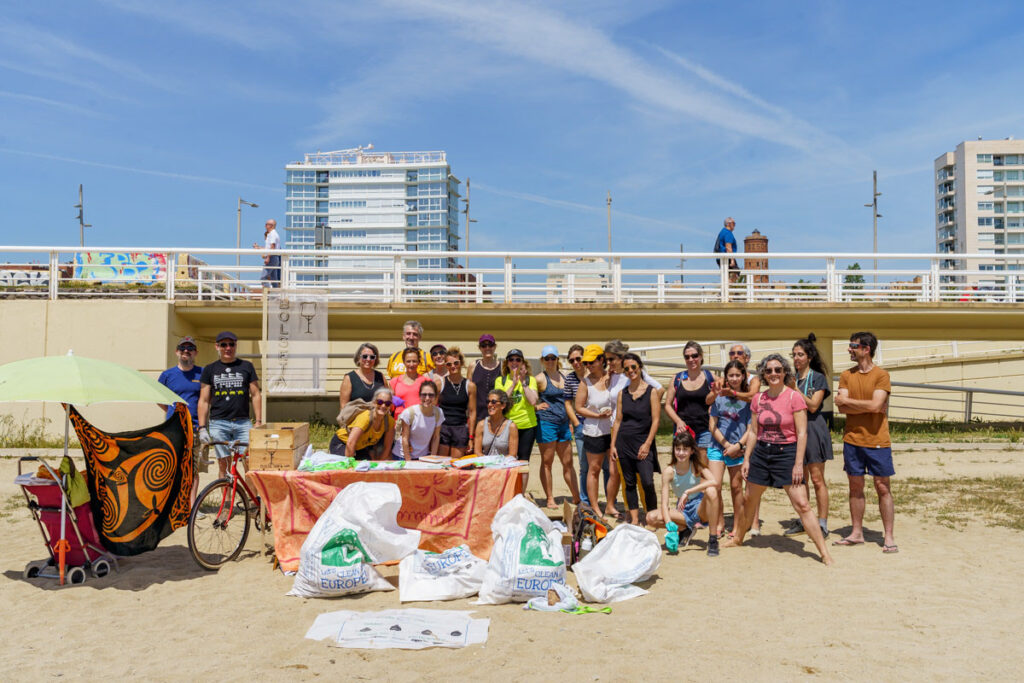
(756, 243)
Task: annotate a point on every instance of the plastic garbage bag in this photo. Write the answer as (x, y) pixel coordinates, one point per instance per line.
(527, 557)
(357, 530)
(455, 573)
(628, 554)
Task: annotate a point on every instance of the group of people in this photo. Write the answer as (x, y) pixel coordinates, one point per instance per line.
(763, 426)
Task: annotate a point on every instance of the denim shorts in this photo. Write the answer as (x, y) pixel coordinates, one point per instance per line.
(691, 511)
(229, 430)
(704, 440)
(874, 461)
(553, 431)
(771, 464)
(715, 453)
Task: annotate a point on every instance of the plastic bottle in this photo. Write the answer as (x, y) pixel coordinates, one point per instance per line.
(672, 537)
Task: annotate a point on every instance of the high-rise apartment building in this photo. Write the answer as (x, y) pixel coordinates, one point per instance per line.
(370, 202)
(979, 195)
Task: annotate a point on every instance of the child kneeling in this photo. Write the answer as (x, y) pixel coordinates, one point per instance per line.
(691, 481)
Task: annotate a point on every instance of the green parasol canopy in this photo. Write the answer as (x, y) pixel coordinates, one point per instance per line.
(80, 381)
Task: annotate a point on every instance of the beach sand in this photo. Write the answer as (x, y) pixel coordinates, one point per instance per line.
(947, 605)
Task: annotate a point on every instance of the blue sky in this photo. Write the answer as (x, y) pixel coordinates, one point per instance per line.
(772, 112)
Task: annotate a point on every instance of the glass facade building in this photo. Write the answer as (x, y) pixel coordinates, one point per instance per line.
(370, 202)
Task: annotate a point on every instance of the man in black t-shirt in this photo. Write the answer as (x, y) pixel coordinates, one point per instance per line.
(227, 386)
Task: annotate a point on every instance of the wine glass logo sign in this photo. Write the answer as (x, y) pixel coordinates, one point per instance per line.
(307, 310)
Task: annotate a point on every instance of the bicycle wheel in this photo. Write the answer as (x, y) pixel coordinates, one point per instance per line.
(217, 530)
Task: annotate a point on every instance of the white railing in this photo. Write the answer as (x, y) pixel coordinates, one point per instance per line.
(509, 277)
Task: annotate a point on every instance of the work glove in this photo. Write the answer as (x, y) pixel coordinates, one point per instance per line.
(204, 436)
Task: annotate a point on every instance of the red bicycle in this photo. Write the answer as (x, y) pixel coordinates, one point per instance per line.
(218, 525)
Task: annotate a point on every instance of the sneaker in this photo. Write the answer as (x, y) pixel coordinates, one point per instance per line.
(684, 537)
(712, 546)
(795, 529)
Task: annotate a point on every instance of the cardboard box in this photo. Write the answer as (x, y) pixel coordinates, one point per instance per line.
(276, 458)
(278, 435)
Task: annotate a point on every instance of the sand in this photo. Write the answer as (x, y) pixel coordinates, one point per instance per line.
(947, 605)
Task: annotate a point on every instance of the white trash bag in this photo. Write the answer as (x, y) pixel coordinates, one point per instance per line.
(358, 529)
(455, 573)
(527, 557)
(626, 555)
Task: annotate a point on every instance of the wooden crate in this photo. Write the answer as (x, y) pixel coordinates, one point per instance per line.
(276, 435)
(276, 458)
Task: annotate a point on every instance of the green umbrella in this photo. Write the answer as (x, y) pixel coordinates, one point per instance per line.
(77, 380)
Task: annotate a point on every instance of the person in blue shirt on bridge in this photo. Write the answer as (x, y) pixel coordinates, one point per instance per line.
(183, 379)
(726, 244)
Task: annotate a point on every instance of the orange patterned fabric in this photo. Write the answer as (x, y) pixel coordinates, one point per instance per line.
(139, 481)
(449, 507)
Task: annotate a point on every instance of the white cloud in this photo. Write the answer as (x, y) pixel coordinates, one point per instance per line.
(33, 99)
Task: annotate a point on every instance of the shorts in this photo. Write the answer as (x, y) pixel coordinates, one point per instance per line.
(553, 431)
(455, 436)
(229, 430)
(691, 510)
(860, 459)
(715, 453)
(704, 440)
(771, 464)
(597, 444)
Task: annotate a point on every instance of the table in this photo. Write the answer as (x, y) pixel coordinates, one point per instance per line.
(448, 506)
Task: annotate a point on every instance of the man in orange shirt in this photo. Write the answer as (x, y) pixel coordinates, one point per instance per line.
(863, 396)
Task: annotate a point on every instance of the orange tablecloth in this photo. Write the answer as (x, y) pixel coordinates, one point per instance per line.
(448, 506)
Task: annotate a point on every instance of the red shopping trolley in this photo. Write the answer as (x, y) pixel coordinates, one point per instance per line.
(70, 535)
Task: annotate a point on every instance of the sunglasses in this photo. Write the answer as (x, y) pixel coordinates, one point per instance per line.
(515, 360)
(368, 356)
(550, 358)
(773, 371)
(631, 368)
(576, 359)
(187, 349)
(736, 353)
(493, 402)
(226, 345)
(454, 364)
(591, 362)
(383, 403)
(439, 354)
(431, 396)
(487, 345)
(691, 356)
(855, 345)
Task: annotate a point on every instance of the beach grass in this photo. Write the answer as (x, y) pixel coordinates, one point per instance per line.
(16, 433)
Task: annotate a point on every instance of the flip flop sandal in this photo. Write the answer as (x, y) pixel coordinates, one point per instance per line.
(890, 549)
(846, 541)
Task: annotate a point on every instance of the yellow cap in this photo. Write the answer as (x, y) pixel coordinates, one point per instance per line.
(592, 353)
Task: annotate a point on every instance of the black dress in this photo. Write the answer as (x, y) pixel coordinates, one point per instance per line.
(359, 388)
(633, 431)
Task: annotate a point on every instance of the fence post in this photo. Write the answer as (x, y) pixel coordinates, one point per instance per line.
(723, 269)
(55, 274)
(508, 279)
(480, 288)
(936, 285)
(617, 280)
(171, 268)
(396, 280)
(831, 291)
(968, 406)
(661, 288)
(286, 271)
(570, 288)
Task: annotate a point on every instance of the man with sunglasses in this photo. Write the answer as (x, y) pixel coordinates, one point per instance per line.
(227, 386)
(863, 396)
(183, 380)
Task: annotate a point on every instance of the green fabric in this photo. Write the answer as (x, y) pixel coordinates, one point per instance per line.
(521, 411)
(586, 609)
(79, 381)
(77, 487)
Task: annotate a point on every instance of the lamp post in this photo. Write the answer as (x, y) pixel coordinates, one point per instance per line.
(875, 194)
(238, 235)
(468, 222)
(82, 225)
(609, 223)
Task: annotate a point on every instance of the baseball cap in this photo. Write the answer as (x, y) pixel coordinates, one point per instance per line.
(436, 348)
(226, 335)
(514, 352)
(486, 338)
(186, 341)
(549, 350)
(592, 353)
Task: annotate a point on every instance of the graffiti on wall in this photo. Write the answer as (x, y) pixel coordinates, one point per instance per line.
(24, 278)
(121, 266)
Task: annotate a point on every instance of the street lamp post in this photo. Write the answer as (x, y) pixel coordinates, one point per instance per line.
(875, 194)
(468, 222)
(238, 235)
